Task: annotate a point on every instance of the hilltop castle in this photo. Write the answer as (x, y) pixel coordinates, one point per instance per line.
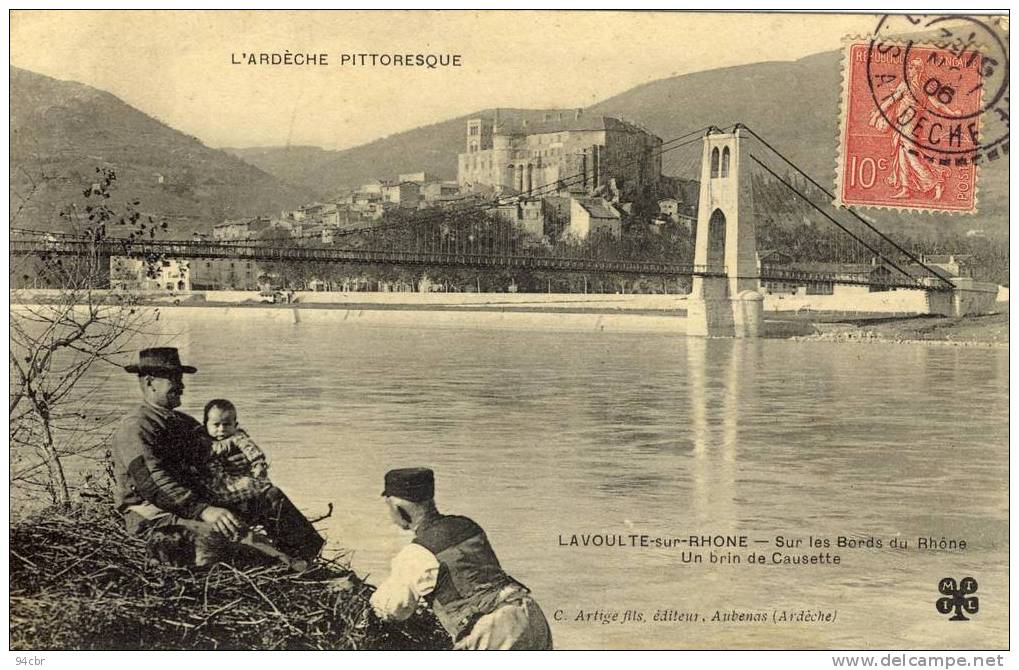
(565, 150)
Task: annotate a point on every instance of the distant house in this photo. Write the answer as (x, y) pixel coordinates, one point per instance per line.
(593, 217)
(955, 265)
(669, 207)
(293, 226)
(528, 214)
(312, 212)
(329, 215)
(434, 191)
(876, 274)
(417, 177)
(781, 274)
(240, 229)
(772, 259)
(217, 274)
(404, 194)
(134, 274)
(292, 215)
(678, 211)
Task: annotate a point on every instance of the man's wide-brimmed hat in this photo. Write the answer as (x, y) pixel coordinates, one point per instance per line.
(414, 484)
(159, 361)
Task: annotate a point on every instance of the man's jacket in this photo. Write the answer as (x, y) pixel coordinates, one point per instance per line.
(154, 449)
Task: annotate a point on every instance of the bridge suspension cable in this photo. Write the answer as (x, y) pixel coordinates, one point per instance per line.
(830, 218)
(851, 211)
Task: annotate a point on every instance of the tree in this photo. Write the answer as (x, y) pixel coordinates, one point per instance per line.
(59, 339)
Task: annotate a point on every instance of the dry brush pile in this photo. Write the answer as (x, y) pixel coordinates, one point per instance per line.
(78, 581)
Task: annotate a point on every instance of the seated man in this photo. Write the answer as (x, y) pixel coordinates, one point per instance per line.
(451, 565)
(155, 449)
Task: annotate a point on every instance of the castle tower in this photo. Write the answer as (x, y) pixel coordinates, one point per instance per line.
(479, 135)
(725, 301)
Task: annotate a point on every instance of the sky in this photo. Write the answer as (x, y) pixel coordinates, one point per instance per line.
(177, 66)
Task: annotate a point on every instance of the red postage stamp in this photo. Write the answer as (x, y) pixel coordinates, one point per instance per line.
(910, 127)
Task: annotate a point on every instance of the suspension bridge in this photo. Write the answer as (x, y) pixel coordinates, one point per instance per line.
(724, 266)
(35, 243)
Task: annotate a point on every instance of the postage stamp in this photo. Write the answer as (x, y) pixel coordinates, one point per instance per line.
(911, 127)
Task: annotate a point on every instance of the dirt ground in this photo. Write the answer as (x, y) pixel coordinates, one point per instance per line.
(986, 329)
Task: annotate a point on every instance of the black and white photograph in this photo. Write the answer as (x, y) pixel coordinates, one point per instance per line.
(509, 330)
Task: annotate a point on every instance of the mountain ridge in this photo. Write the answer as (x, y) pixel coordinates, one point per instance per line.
(61, 131)
(793, 104)
(60, 127)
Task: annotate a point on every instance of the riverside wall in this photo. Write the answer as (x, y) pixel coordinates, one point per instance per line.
(550, 313)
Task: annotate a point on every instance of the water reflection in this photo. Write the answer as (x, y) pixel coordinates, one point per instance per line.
(538, 434)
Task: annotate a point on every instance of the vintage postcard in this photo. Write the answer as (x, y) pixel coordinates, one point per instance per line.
(544, 330)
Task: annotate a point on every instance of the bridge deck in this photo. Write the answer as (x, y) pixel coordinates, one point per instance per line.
(189, 249)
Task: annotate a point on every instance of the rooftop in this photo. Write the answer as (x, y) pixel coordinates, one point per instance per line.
(563, 121)
(598, 208)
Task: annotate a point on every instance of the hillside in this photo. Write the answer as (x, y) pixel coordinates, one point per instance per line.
(431, 148)
(292, 165)
(61, 131)
(792, 104)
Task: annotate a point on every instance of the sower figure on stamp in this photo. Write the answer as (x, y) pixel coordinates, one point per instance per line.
(451, 565)
(911, 173)
(155, 449)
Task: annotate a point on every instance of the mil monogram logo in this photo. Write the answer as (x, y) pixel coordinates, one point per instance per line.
(957, 598)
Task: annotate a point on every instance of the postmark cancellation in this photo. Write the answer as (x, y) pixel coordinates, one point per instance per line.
(910, 128)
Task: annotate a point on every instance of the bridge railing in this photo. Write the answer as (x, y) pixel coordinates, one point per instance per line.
(710, 270)
(849, 278)
(257, 252)
(243, 250)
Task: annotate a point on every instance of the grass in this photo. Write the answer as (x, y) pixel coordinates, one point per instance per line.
(78, 581)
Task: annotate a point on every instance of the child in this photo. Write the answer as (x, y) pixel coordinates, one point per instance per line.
(229, 485)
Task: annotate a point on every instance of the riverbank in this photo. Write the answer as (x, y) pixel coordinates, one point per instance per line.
(990, 330)
(573, 313)
(79, 582)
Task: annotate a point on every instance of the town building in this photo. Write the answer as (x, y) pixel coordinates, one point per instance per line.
(224, 274)
(366, 206)
(417, 177)
(528, 214)
(402, 194)
(564, 151)
(292, 214)
(779, 275)
(594, 217)
(240, 229)
(669, 207)
(294, 226)
(136, 274)
(954, 265)
(435, 191)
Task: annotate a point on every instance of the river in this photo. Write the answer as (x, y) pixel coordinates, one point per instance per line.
(543, 436)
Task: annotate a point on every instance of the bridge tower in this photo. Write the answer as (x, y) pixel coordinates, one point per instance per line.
(725, 300)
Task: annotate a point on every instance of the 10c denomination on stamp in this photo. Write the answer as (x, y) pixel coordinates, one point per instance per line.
(910, 127)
